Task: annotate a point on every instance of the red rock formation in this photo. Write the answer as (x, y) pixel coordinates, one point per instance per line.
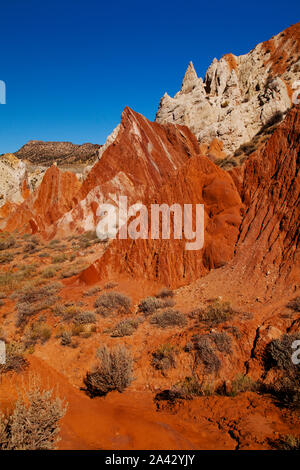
(214, 150)
(269, 184)
(147, 152)
(197, 182)
(143, 156)
(45, 206)
(281, 51)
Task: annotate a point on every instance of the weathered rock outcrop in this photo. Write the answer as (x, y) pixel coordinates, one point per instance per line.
(268, 237)
(46, 153)
(239, 94)
(138, 161)
(269, 184)
(199, 181)
(12, 178)
(53, 198)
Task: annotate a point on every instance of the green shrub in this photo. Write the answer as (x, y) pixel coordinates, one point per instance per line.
(112, 372)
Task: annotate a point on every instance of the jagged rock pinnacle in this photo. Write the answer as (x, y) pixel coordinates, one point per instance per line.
(190, 79)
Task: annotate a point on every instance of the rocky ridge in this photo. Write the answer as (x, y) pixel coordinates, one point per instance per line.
(239, 94)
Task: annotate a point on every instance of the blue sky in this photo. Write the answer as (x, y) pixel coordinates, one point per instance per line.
(71, 66)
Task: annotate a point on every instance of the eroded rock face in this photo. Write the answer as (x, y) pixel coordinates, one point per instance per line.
(12, 177)
(239, 93)
(199, 181)
(139, 158)
(269, 184)
(46, 205)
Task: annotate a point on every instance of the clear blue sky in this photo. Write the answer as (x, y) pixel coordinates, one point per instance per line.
(71, 66)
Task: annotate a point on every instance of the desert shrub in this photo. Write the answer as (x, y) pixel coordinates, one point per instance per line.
(205, 354)
(248, 147)
(112, 372)
(243, 383)
(27, 309)
(44, 255)
(32, 295)
(222, 341)
(30, 248)
(164, 357)
(286, 442)
(6, 241)
(77, 330)
(6, 258)
(83, 318)
(33, 424)
(2, 303)
(125, 328)
(274, 119)
(66, 338)
(294, 304)
(66, 311)
(191, 387)
(165, 292)
(91, 292)
(168, 318)
(226, 163)
(215, 313)
(15, 360)
(2, 295)
(286, 390)
(59, 259)
(73, 270)
(32, 300)
(38, 331)
(279, 351)
(149, 305)
(110, 285)
(49, 272)
(286, 387)
(110, 302)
